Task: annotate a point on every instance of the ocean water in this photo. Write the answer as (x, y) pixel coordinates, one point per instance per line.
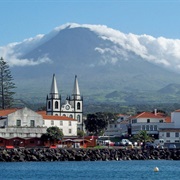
(90, 170)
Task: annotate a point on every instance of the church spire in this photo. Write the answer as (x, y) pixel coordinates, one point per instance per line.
(76, 91)
(54, 90)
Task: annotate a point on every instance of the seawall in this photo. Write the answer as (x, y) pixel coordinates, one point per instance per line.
(46, 154)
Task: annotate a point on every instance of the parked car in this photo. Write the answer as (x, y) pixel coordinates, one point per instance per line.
(149, 145)
(117, 144)
(126, 142)
(172, 146)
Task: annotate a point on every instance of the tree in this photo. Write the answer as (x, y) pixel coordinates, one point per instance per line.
(52, 135)
(96, 123)
(6, 85)
(143, 137)
(80, 133)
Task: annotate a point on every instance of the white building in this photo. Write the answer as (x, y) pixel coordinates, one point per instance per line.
(72, 108)
(171, 133)
(151, 122)
(118, 127)
(23, 123)
(66, 124)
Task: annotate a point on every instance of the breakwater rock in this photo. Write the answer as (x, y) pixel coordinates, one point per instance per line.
(46, 154)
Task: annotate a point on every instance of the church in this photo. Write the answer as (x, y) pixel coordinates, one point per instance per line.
(72, 107)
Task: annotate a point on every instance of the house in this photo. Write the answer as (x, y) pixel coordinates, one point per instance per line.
(66, 124)
(171, 133)
(151, 122)
(23, 123)
(117, 127)
(20, 127)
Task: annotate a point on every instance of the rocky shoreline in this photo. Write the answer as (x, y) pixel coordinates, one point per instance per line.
(47, 154)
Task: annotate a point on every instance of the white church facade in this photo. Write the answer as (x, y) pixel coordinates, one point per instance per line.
(72, 108)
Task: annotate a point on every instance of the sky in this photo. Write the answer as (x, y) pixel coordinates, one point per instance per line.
(22, 19)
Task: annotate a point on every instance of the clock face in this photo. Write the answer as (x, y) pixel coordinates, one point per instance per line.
(67, 107)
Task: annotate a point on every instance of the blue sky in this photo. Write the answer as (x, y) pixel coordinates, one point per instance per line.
(21, 19)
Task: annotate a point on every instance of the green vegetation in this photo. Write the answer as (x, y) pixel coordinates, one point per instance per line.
(6, 85)
(96, 123)
(142, 136)
(53, 134)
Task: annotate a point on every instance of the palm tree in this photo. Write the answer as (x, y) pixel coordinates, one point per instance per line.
(143, 137)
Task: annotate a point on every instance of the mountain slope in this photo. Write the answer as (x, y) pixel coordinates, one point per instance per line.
(104, 59)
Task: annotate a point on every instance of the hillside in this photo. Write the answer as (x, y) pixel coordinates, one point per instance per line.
(111, 66)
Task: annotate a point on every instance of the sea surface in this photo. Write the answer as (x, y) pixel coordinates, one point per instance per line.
(90, 170)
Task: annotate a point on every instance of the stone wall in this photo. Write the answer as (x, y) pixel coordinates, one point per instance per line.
(46, 154)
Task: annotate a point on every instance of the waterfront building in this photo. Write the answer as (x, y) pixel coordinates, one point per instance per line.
(66, 124)
(149, 121)
(119, 127)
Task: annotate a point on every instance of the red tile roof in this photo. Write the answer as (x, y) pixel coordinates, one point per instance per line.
(178, 110)
(51, 117)
(147, 115)
(5, 112)
(152, 115)
(168, 119)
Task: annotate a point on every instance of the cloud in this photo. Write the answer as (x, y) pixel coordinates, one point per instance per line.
(13, 52)
(12, 57)
(160, 51)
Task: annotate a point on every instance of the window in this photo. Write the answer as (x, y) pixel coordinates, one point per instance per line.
(49, 104)
(18, 123)
(148, 120)
(70, 131)
(176, 134)
(167, 134)
(52, 122)
(32, 123)
(71, 116)
(61, 123)
(161, 120)
(43, 121)
(69, 123)
(147, 127)
(151, 127)
(56, 105)
(78, 105)
(134, 121)
(143, 127)
(155, 127)
(78, 118)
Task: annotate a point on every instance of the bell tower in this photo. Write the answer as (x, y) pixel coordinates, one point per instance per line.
(53, 101)
(77, 102)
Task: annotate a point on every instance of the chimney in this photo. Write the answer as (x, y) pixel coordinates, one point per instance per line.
(155, 112)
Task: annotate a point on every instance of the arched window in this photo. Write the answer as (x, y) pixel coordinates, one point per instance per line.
(71, 116)
(56, 105)
(49, 104)
(78, 118)
(78, 105)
